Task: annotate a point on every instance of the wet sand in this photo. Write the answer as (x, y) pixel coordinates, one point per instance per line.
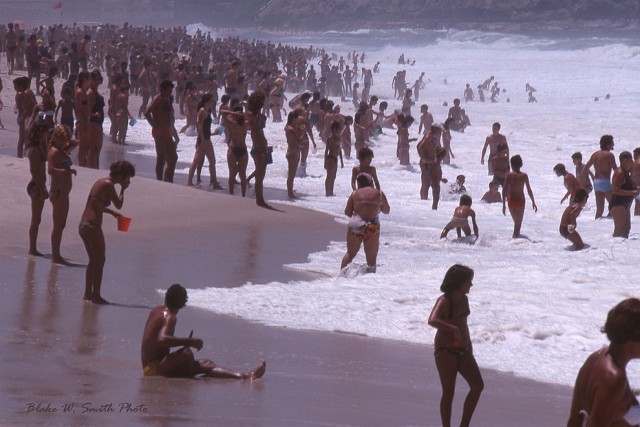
(58, 350)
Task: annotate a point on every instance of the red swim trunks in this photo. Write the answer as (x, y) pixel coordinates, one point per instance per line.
(161, 132)
(515, 203)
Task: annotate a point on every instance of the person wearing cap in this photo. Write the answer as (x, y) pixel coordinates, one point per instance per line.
(363, 207)
(160, 116)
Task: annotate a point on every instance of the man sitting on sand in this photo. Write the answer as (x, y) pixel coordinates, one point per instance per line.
(460, 220)
(158, 338)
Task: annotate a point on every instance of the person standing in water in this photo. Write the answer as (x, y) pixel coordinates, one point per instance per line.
(453, 348)
(604, 163)
(513, 194)
(364, 207)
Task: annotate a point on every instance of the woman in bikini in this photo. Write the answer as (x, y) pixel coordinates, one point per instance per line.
(237, 155)
(453, 349)
(364, 207)
(295, 131)
(37, 188)
(602, 395)
(101, 195)
(204, 147)
(256, 122)
(623, 192)
(59, 168)
(96, 118)
(81, 106)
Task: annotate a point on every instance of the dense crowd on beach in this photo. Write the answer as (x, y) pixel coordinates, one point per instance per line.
(239, 85)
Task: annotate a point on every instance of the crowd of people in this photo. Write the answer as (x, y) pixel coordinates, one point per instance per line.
(166, 67)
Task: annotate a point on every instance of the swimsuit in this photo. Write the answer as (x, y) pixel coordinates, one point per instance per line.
(164, 132)
(151, 368)
(515, 203)
(457, 222)
(601, 185)
(239, 152)
(98, 107)
(362, 229)
(624, 201)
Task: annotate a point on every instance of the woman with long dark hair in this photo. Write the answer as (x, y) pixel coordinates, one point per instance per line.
(453, 349)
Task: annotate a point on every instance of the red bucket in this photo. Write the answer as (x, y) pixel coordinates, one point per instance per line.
(123, 223)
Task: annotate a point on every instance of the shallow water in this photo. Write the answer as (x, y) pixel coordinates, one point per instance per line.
(536, 306)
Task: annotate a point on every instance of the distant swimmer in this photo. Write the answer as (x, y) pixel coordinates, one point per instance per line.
(158, 339)
(468, 93)
(513, 194)
(364, 207)
(569, 216)
(453, 347)
(604, 164)
(602, 395)
(460, 220)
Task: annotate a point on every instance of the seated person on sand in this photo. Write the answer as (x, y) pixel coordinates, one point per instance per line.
(364, 207)
(493, 195)
(158, 339)
(570, 181)
(569, 216)
(460, 220)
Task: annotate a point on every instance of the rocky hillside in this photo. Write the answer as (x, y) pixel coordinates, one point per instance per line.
(526, 14)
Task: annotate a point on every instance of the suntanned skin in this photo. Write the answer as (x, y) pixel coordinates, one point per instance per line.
(463, 212)
(61, 183)
(569, 217)
(160, 117)
(602, 388)
(158, 339)
(514, 184)
(101, 195)
(453, 337)
(37, 155)
(492, 142)
(604, 163)
(367, 203)
(621, 214)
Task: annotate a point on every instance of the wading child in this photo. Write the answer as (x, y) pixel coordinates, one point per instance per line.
(460, 220)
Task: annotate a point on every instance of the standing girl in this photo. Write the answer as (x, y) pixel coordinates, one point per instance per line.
(453, 350)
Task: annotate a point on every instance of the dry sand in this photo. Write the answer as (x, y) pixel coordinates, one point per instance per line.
(58, 350)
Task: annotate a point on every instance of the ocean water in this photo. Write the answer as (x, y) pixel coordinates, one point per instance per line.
(536, 306)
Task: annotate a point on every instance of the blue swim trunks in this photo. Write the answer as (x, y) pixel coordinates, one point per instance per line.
(601, 185)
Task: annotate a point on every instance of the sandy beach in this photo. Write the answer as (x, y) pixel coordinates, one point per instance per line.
(66, 362)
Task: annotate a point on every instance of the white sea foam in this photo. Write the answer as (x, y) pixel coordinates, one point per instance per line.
(536, 307)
